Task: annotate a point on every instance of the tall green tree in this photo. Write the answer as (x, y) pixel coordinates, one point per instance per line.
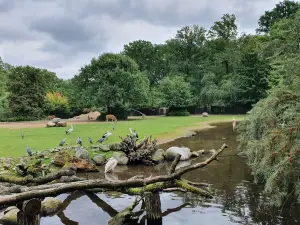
(149, 57)
(252, 79)
(4, 70)
(282, 10)
(113, 80)
(27, 86)
(175, 92)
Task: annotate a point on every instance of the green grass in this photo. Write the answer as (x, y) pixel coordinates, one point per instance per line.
(44, 138)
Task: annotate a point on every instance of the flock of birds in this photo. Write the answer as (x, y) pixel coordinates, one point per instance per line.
(111, 163)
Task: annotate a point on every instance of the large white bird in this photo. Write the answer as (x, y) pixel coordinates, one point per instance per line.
(110, 165)
(105, 136)
(70, 130)
(233, 123)
(133, 133)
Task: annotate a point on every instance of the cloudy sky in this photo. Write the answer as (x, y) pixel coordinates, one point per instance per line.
(63, 35)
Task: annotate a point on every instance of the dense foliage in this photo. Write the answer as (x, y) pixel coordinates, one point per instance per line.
(270, 136)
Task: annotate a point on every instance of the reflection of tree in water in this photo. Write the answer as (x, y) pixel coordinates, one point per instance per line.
(109, 209)
(247, 205)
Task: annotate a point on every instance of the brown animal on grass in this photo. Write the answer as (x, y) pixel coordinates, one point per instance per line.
(111, 117)
(50, 117)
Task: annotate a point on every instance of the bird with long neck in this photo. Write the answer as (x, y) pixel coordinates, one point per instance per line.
(70, 130)
(233, 123)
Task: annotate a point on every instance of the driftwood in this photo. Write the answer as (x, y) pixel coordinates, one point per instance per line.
(138, 152)
(133, 186)
(36, 181)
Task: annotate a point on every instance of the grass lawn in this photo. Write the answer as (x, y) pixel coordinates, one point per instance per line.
(44, 138)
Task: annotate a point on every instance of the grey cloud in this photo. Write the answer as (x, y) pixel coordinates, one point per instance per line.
(69, 36)
(64, 29)
(15, 34)
(127, 10)
(6, 5)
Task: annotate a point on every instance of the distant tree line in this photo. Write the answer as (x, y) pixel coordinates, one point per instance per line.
(197, 68)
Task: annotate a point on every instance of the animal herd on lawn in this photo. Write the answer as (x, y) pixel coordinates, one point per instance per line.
(111, 163)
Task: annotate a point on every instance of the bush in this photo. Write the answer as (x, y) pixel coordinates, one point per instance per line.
(270, 138)
(57, 104)
(178, 112)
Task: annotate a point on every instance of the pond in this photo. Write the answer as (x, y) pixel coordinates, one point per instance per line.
(237, 200)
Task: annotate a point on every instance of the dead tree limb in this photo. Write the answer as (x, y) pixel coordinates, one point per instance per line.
(36, 181)
(148, 184)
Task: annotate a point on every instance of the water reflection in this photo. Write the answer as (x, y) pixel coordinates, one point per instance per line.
(237, 200)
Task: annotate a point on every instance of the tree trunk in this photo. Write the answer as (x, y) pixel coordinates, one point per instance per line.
(29, 213)
(153, 207)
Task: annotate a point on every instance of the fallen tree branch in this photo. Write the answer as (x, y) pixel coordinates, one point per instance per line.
(158, 182)
(36, 181)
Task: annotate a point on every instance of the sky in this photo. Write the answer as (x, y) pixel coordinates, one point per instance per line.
(64, 35)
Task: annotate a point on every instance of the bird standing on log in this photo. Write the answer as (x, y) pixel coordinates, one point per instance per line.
(90, 140)
(134, 134)
(110, 165)
(29, 151)
(79, 141)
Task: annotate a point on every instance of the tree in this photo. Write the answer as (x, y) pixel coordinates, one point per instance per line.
(282, 10)
(27, 86)
(252, 79)
(108, 82)
(175, 92)
(225, 29)
(283, 50)
(4, 70)
(56, 104)
(222, 45)
(149, 57)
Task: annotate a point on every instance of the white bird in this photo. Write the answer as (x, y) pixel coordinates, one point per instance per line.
(110, 165)
(233, 123)
(133, 133)
(70, 130)
(105, 136)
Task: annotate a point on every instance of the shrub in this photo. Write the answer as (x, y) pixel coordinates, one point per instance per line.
(270, 138)
(57, 104)
(178, 112)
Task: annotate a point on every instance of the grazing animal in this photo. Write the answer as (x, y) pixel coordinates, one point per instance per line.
(105, 136)
(62, 142)
(79, 141)
(133, 133)
(29, 151)
(22, 135)
(70, 130)
(233, 123)
(50, 117)
(110, 165)
(111, 117)
(90, 140)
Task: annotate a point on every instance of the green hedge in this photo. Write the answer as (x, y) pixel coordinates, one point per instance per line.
(182, 111)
